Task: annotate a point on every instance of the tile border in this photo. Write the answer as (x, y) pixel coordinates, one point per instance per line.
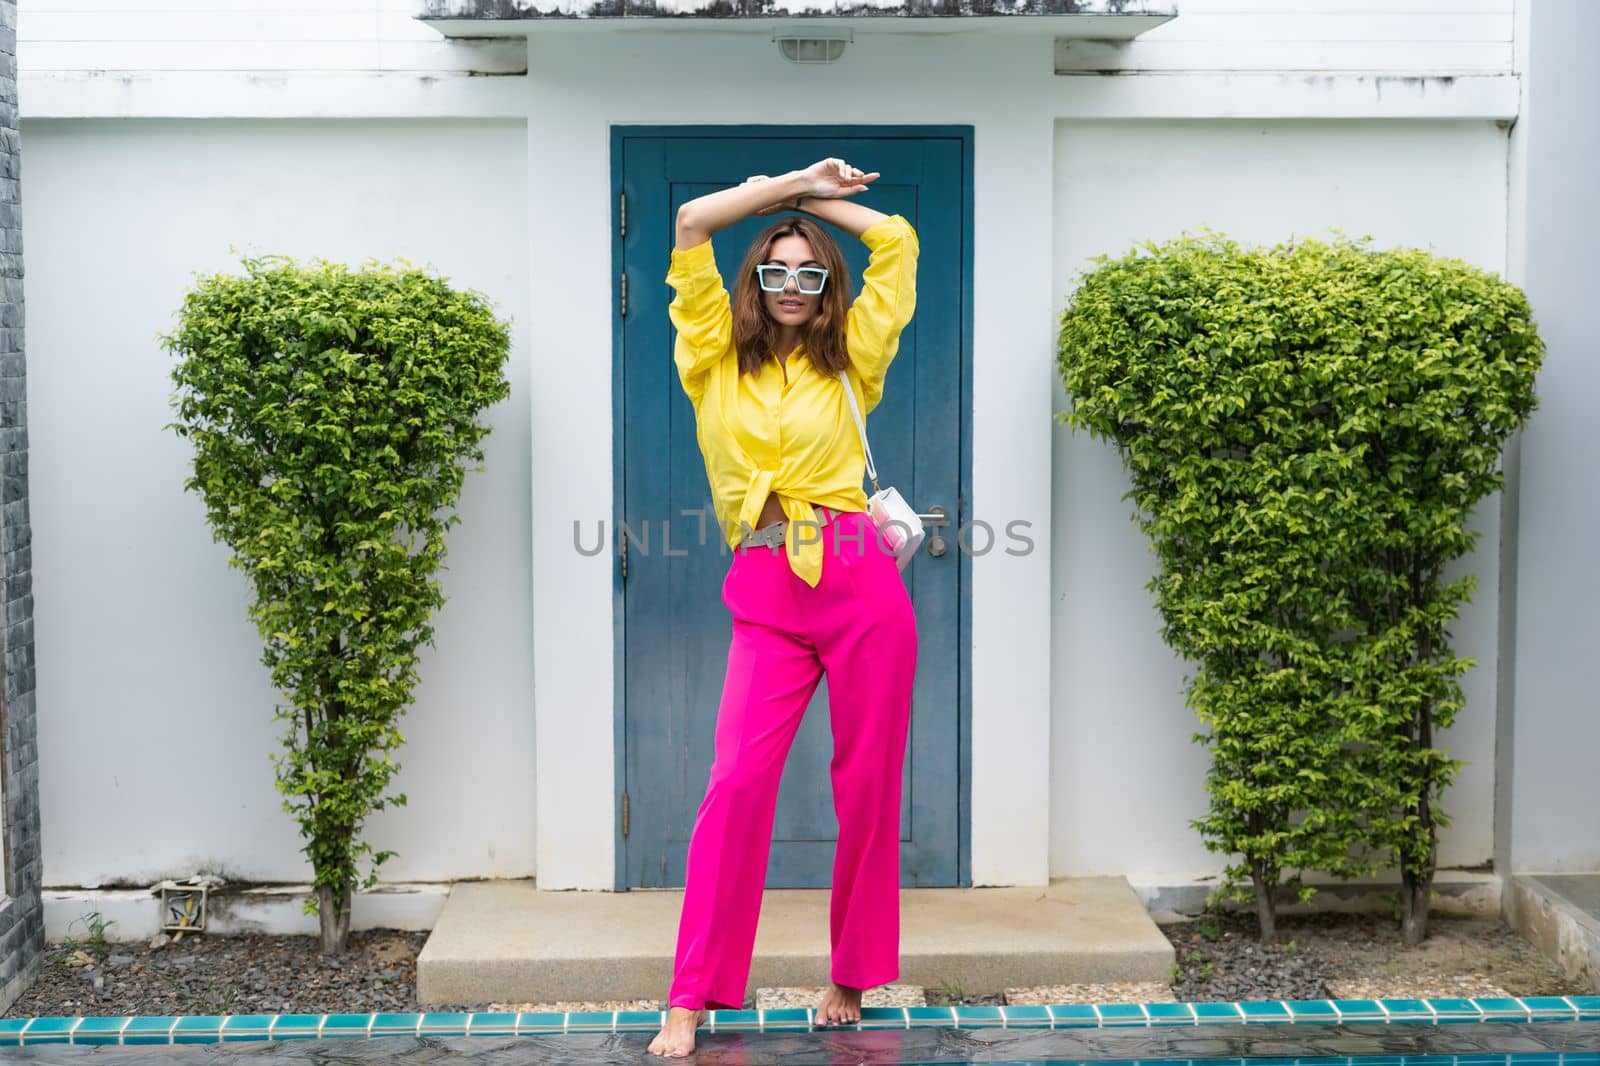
(197, 1029)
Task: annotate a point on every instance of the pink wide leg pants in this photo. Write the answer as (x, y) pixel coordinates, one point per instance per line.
(858, 627)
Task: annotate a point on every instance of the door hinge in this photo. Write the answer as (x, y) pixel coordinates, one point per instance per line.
(624, 814)
(624, 553)
(622, 214)
(623, 310)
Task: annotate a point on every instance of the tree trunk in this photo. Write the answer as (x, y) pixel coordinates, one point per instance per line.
(334, 918)
(333, 909)
(1415, 892)
(1416, 885)
(1266, 911)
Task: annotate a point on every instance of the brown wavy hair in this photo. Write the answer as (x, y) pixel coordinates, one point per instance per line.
(755, 334)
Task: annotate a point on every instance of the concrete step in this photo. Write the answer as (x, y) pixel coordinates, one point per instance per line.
(507, 942)
(1560, 912)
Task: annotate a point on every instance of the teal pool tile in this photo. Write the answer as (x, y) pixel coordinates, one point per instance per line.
(1549, 1007)
(1452, 1011)
(1265, 1011)
(927, 1017)
(49, 1031)
(241, 1027)
(1502, 1009)
(394, 1024)
(1311, 1010)
(1073, 1016)
(1119, 1014)
(149, 1030)
(600, 1021)
(1170, 1013)
(346, 1025)
(628, 1021)
(1407, 1010)
(455, 1024)
(1213, 1013)
(1026, 1017)
(1588, 1007)
(99, 1031)
(11, 1031)
(979, 1018)
(735, 1021)
(881, 1013)
(541, 1022)
(1359, 1010)
(295, 1027)
(198, 1029)
(787, 1018)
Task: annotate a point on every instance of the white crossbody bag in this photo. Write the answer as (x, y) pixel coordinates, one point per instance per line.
(897, 519)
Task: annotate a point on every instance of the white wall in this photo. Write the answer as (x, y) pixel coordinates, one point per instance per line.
(1406, 37)
(182, 36)
(155, 722)
(1401, 36)
(537, 228)
(1124, 780)
(1551, 737)
(1016, 762)
(302, 58)
(886, 80)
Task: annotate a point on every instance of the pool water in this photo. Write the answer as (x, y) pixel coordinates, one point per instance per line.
(1527, 1032)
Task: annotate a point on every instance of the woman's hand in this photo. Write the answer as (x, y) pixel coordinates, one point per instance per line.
(787, 205)
(832, 179)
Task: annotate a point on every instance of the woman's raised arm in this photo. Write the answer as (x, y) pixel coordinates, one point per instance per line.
(854, 219)
(825, 179)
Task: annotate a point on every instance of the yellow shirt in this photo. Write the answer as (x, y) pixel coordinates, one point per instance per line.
(761, 435)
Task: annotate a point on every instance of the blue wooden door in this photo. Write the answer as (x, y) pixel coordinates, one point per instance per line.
(673, 630)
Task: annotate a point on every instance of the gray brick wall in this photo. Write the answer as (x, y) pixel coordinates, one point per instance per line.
(21, 915)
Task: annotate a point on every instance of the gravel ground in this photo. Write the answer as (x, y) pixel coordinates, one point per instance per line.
(249, 974)
(1219, 958)
(1114, 992)
(1354, 956)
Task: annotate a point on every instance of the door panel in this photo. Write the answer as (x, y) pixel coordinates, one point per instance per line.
(674, 627)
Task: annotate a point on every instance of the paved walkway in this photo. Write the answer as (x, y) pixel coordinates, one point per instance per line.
(507, 942)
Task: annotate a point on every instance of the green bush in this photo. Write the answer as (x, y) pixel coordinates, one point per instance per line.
(1307, 429)
(332, 413)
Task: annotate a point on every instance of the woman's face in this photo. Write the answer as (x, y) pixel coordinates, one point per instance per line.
(791, 307)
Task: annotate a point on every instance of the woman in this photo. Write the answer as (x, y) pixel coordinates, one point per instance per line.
(812, 587)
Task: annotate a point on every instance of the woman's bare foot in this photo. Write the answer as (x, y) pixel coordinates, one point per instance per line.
(841, 1006)
(676, 1038)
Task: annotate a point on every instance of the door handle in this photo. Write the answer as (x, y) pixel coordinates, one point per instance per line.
(937, 516)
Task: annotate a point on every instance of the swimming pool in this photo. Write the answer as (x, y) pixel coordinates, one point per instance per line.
(1538, 1031)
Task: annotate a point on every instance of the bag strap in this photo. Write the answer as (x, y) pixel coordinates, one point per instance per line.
(866, 449)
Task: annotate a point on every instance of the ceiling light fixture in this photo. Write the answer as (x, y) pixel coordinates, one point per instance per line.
(811, 46)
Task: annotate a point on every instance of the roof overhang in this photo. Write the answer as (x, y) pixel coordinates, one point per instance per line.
(1102, 19)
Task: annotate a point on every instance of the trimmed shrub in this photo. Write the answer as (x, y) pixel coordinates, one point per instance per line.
(1307, 429)
(332, 413)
